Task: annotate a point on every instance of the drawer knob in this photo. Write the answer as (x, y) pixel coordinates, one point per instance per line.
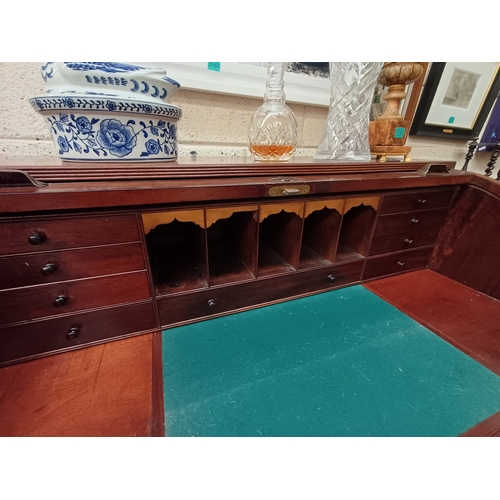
(421, 201)
(407, 241)
(211, 303)
(331, 278)
(401, 263)
(73, 333)
(37, 238)
(61, 301)
(415, 221)
(48, 269)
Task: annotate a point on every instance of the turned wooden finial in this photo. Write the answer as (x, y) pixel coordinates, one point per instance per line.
(388, 133)
(396, 76)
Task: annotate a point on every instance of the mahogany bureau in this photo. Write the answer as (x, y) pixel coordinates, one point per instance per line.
(130, 250)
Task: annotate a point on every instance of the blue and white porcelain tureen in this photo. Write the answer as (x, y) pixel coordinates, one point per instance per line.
(107, 111)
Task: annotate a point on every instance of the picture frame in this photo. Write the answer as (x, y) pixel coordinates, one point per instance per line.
(413, 95)
(245, 80)
(456, 99)
(491, 132)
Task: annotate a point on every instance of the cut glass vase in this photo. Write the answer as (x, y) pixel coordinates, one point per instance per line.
(345, 137)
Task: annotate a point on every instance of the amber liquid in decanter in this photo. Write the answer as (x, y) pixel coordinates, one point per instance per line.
(273, 132)
(267, 151)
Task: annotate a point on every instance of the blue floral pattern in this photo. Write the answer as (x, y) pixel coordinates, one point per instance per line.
(111, 105)
(69, 103)
(63, 144)
(110, 136)
(83, 124)
(119, 139)
(53, 102)
(108, 67)
(153, 147)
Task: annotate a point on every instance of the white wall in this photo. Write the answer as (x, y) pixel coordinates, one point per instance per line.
(211, 125)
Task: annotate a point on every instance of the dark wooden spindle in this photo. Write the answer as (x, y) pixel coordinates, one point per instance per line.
(493, 159)
(496, 149)
(470, 153)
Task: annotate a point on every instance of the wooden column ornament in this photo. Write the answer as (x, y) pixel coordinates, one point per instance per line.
(470, 152)
(491, 164)
(389, 132)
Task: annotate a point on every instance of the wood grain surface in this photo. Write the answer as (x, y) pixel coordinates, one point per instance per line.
(53, 169)
(89, 392)
(162, 193)
(468, 246)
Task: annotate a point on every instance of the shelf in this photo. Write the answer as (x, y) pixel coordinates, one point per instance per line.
(345, 254)
(320, 233)
(197, 249)
(225, 265)
(177, 257)
(231, 244)
(357, 226)
(182, 272)
(270, 263)
(309, 258)
(279, 242)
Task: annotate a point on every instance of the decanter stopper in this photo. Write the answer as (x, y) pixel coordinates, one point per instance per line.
(273, 132)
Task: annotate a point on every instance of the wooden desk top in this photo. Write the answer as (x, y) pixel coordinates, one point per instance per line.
(70, 186)
(55, 170)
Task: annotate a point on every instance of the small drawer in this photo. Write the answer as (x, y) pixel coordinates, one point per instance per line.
(49, 336)
(427, 220)
(387, 243)
(24, 304)
(58, 234)
(416, 200)
(397, 262)
(186, 307)
(50, 267)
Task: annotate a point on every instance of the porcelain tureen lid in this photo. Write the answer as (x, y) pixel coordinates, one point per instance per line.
(123, 80)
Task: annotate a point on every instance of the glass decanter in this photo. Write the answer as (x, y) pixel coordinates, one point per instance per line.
(273, 132)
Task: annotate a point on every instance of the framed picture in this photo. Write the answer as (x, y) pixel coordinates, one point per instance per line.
(305, 83)
(456, 99)
(491, 134)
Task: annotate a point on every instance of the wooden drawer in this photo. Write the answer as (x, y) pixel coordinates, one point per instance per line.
(58, 234)
(23, 304)
(185, 307)
(397, 262)
(427, 220)
(416, 200)
(37, 337)
(64, 265)
(386, 243)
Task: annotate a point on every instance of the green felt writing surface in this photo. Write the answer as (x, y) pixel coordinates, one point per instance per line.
(341, 363)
